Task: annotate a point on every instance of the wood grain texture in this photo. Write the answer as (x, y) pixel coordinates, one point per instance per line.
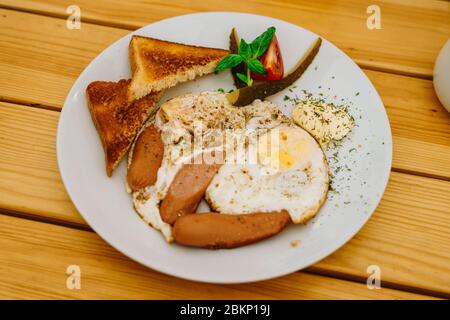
(420, 124)
(35, 257)
(39, 65)
(41, 58)
(29, 176)
(404, 44)
(408, 236)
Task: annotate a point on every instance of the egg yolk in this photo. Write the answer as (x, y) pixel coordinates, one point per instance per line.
(283, 149)
(170, 110)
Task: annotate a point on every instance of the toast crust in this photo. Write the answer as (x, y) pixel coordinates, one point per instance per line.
(159, 64)
(116, 118)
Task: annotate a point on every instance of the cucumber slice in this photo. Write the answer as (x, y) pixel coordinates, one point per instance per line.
(246, 95)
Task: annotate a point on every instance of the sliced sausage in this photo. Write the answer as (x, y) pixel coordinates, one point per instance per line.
(186, 190)
(215, 230)
(146, 159)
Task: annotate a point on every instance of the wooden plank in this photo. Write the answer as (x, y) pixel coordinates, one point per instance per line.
(39, 65)
(41, 58)
(420, 124)
(29, 175)
(35, 257)
(408, 237)
(410, 228)
(410, 37)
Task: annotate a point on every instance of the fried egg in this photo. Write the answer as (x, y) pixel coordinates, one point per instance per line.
(270, 163)
(290, 173)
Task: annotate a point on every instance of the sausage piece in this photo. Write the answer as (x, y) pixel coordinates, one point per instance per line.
(146, 159)
(186, 190)
(217, 231)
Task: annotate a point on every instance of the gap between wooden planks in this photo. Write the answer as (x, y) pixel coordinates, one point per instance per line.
(35, 257)
(410, 37)
(408, 236)
(39, 65)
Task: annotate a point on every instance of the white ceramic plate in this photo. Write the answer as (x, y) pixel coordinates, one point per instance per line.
(367, 152)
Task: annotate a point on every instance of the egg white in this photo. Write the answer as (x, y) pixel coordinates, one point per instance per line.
(294, 178)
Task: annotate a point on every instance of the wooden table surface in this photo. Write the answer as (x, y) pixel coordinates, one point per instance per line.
(41, 232)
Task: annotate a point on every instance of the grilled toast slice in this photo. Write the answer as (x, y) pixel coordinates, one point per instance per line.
(117, 118)
(158, 64)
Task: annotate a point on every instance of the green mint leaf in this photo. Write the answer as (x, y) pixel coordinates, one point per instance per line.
(229, 61)
(261, 43)
(256, 66)
(244, 50)
(242, 77)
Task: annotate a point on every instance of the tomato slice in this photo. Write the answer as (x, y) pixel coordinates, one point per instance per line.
(272, 61)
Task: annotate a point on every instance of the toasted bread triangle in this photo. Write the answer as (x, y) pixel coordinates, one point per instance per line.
(117, 118)
(158, 64)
